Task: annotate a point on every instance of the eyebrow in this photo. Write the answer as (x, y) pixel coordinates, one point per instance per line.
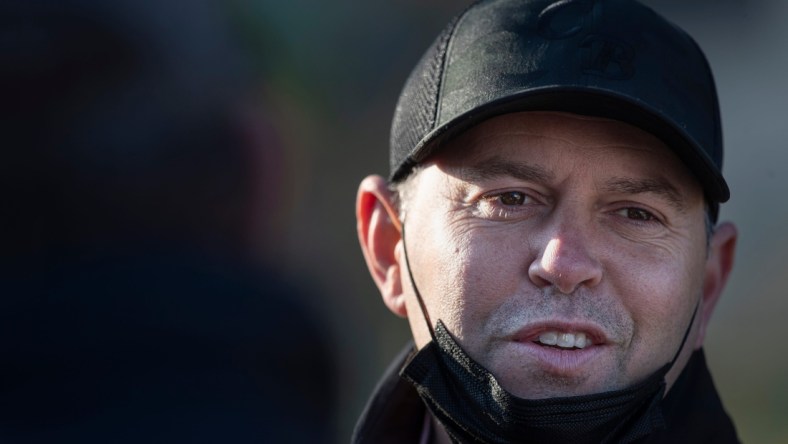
(653, 186)
(495, 166)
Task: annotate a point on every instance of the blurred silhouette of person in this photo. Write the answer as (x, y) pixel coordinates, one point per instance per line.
(140, 299)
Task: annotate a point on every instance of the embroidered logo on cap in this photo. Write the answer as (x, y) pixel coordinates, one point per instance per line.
(607, 57)
(602, 55)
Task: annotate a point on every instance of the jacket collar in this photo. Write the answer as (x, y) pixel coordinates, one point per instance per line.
(692, 409)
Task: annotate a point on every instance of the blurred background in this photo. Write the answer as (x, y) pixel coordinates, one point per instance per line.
(178, 188)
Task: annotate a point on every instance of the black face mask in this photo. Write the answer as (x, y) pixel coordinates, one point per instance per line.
(474, 408)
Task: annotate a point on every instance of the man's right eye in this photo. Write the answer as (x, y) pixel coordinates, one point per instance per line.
(507, 205)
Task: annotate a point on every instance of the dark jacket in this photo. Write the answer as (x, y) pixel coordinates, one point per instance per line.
(692, 409)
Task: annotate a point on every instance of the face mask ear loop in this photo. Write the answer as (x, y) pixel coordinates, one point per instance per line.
(686, 335)
(415, 288)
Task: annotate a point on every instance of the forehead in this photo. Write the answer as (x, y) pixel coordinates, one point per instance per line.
(557, 142)
(571, 130)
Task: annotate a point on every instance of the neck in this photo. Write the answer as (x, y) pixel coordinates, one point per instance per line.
(439, 435)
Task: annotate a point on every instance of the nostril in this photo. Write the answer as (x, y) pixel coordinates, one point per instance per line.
(535, 274)
(565, 265)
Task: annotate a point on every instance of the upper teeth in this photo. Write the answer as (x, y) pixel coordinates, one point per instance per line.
(564, 340)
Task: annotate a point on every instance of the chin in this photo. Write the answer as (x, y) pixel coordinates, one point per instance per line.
(551, 386)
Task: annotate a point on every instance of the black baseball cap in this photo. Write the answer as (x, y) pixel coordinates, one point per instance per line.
(616, 59)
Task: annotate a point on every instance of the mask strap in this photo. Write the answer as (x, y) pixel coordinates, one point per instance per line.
(686, 335)
(424, 313)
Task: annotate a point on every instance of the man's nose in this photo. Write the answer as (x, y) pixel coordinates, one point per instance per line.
(566, 262)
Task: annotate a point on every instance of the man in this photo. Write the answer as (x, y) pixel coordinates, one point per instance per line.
(550, 232)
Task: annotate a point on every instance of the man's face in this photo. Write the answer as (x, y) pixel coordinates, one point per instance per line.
(566, 254)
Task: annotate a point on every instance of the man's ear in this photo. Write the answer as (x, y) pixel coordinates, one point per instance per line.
(718, 268)
(380, 234)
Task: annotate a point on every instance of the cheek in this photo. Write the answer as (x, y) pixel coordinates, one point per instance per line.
(489, 271)
(660, 291)
(440, 274)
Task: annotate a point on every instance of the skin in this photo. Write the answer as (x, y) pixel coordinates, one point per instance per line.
(534, 221)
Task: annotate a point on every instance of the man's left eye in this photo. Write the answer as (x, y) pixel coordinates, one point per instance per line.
(512, 198)
(638, 214)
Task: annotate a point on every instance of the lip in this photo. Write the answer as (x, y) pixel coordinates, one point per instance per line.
(531, 332)
(557, 361)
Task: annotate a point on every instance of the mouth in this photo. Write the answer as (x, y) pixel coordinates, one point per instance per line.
(561, 348)
(564, 340)
(562, 335)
